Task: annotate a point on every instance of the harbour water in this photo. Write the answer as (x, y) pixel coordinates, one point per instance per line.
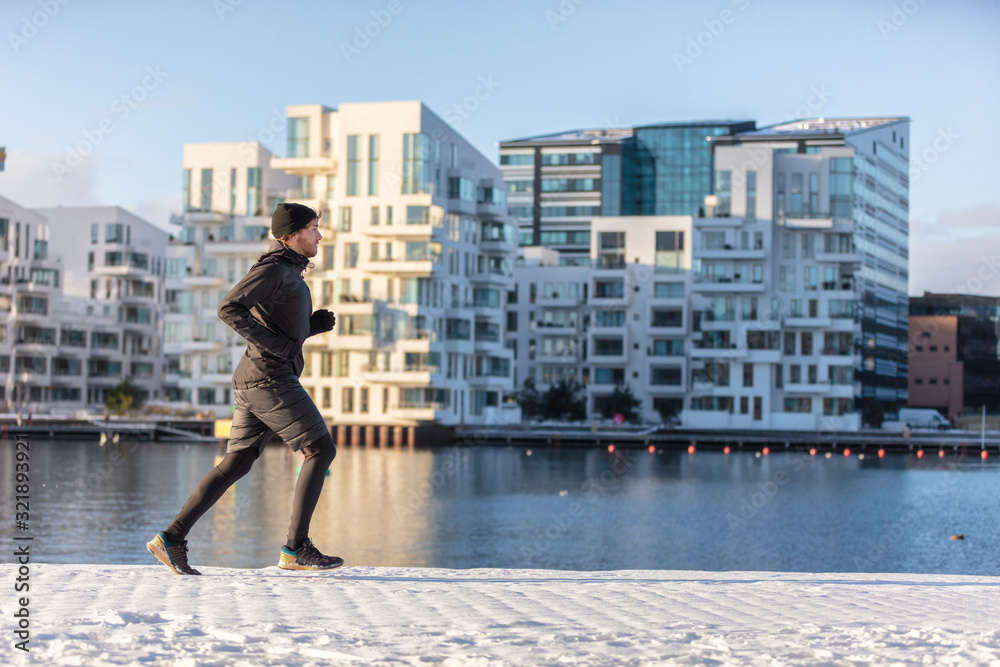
(562, 508)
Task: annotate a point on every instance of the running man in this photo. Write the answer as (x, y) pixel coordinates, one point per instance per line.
(272, 309)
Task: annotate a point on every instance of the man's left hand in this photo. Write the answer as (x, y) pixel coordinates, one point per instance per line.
(321, 321)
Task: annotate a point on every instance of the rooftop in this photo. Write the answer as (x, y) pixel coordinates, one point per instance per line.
(820, 126)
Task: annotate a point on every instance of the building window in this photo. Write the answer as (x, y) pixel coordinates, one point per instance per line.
(253, 191)
(364, 400)
(416, 163)
(206, 190)
(841, 188)
(373, 158)
(353, 164)
(723, 193)
(347, 400)
(611, 250)
(747, 376)
(669, 252)
(344, 219)
(298, 137)
(751, 213)
(187, 194)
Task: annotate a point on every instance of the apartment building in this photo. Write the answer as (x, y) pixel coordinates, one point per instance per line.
(624, 320)
(797, 260)
(112, 265)
(229, 192)
(416, 261)
(558, 183)
(834, 195)
(954, 353)
(59, 353)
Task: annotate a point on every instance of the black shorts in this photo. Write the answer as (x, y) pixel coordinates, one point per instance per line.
(284, 409)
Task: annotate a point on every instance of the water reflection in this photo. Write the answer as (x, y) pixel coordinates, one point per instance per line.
(550, 508)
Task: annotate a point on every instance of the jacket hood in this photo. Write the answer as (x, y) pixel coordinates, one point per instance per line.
(277, 249)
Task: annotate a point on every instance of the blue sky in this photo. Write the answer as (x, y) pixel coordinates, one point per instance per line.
(146, 77)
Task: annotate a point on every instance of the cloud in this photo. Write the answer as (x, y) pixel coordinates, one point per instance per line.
(954, 224)
(158, 211)
(29, 180)
(959, 253)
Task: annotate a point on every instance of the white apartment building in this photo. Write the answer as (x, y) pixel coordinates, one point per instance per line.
(789, 304)
(112, 265)
(223, 229)
(57, 353)
(625, 320)
(416, 261)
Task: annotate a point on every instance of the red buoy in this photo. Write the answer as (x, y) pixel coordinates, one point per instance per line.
(847, 451)
(766, 451)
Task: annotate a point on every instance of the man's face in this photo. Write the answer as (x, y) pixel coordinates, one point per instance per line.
(306, 240)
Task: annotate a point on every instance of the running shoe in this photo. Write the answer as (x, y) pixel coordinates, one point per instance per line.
(307, 558)
(171, 554)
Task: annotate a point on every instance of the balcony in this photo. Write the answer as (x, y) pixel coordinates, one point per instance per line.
(720, 352)
(490, 381)
(420, 267)
(201, 346)
(842, 257)
(212, 217)
(710, 284)
(715, 223)
(808, 388)
(550, 329)
(201, 281)
(120, 270)
(492, 278)
(497, 247)
(490, 210)
(570, 359)
(728, 252)
(402, 375)
(402, 230)
(800, 322)
(817, 221)
(254, 247)
(305, 165)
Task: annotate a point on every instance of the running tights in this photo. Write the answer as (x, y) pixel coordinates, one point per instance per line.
(318, 457)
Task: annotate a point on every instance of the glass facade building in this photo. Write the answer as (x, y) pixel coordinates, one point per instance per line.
(668, 169)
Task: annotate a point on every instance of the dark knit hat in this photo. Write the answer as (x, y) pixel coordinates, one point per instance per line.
(290, 218)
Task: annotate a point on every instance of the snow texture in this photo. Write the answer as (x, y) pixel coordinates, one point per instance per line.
(143, 615)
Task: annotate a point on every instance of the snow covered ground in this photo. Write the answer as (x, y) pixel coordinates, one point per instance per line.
(143, 615)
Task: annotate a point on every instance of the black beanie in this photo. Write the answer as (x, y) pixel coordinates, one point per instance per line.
(289, 218)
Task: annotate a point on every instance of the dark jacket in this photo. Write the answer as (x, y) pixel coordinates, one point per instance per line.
(270, 308)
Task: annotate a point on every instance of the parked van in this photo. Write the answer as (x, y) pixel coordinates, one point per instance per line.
(922, 418)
